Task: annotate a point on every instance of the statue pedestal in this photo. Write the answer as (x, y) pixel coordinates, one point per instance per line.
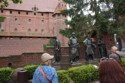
(69, 65)
(65, 64)
(76, 64)
(56, 66)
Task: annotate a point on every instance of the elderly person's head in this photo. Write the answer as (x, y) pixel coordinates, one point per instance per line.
(46, 58)
(114, 49)
(110, 71)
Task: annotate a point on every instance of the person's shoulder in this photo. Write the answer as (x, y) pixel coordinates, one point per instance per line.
(50, 67)
(37, 69)
(110, 55)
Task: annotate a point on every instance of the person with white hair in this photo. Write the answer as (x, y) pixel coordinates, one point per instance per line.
(114, 54)
(45, 73)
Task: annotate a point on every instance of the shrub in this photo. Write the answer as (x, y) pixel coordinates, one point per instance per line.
(83, 74)
(5, 74)
(30, 69)
(63, 76)
(50, 44)
(123, 63)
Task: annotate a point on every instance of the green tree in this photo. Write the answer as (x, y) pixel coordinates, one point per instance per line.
(100, 16)
(5, 3)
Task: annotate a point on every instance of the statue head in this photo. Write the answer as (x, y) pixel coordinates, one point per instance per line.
(73, 34)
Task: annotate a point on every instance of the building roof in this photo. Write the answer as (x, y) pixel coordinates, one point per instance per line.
(42, 5)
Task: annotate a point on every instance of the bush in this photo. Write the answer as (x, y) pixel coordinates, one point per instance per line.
(63, 76)
(83, 74)
(50, 44)
(5, 74)
(123, 63)
(30, 69)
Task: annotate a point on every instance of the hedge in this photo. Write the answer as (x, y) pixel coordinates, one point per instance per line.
(83, 74)
(123, 63)
(63, 76)
(5, 74)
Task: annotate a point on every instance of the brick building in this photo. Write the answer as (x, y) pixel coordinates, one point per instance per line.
(30, 25)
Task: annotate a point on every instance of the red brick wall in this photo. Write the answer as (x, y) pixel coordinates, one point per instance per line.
(42, 24)
(21, 60)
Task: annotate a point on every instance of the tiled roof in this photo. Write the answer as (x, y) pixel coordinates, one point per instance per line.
(42, 5)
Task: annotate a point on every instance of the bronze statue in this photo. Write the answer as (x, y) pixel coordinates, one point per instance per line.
(102, 48)
(89, 48)
(73, 49)
(57, 50)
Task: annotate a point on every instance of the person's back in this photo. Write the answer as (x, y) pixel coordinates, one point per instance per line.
(50, 73)
(45, 73)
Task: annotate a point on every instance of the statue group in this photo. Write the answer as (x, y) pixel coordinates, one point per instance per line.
(74, 49)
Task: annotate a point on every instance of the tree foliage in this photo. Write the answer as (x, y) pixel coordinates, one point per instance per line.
(5, 3)
(100, 16)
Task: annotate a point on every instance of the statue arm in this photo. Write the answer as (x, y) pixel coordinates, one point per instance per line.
(85, 41)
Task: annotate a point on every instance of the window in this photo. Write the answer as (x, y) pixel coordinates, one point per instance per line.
(26, 13)
(34, 13)
(1, 11)
(15, 19)
(18, 12)
(42, 20)
(29, 20)
(15, 29)
(36, 30)
(53, 15)
(41, 14)
(58, 14)
(42, 30)
(9, 64)
(10, 12)
(29, 29)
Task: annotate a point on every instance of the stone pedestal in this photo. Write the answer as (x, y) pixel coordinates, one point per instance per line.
(65, 64)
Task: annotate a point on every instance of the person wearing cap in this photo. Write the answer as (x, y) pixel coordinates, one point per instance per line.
(114, 54)
(50, 73)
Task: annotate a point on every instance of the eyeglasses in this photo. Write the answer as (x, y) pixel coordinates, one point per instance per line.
(105, 59)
